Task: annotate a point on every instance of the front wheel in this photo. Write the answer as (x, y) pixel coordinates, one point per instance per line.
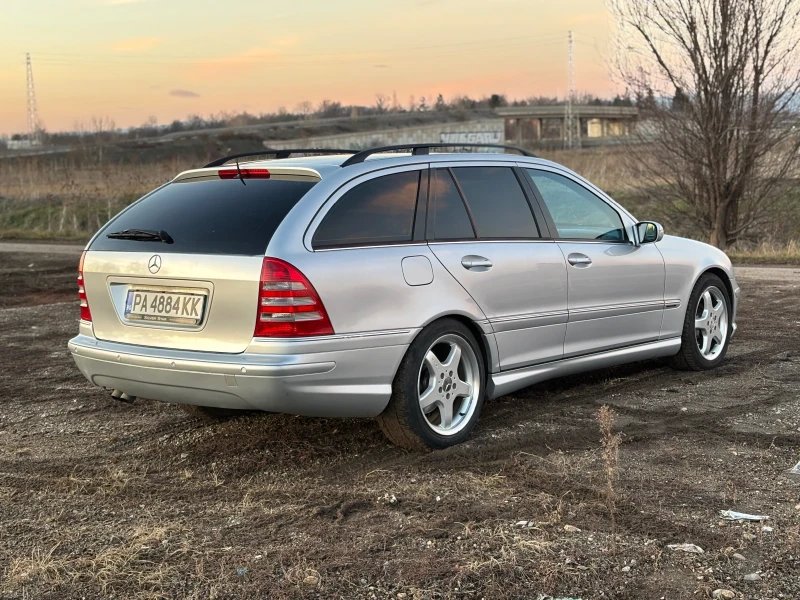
(707, 327)
(438, 391)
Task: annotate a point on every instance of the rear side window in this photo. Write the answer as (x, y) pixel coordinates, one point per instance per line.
(577, 213)
(450, 217)
(497, 203)
(210, 216)
(378, 211)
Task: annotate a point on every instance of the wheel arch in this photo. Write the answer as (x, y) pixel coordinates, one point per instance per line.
(723, 275)
(485, 340)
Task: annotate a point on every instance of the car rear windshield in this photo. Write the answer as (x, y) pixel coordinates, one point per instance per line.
(209, 216)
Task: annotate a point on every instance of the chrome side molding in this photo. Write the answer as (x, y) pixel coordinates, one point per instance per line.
(506, 382)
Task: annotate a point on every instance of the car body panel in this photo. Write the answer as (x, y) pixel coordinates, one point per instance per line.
(617, 299)
(685, 261)
(230, 284)
(529, 316)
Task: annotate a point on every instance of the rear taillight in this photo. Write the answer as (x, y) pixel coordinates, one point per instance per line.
(86, 314)
(288, 305)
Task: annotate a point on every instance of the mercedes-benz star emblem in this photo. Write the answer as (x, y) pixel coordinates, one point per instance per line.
(154, 265)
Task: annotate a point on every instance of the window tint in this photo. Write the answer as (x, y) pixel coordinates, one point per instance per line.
(210, 216)
(497, 202)
(577, 212)
(377, 211)
(450, 218)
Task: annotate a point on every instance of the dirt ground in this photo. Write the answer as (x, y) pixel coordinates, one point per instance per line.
(104, 499)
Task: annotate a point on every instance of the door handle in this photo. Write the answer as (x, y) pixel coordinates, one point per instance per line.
(579, 260)
(473, 262)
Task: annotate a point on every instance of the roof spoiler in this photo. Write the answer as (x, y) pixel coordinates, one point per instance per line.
(278, 154)
(417, 149)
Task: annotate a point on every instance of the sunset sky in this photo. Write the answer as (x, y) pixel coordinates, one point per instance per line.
(132, 59)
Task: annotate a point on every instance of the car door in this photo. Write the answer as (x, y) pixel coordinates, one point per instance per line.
(481, 226)
(616, 288)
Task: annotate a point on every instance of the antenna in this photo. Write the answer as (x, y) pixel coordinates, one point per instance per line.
(34, 130)
(572, 122)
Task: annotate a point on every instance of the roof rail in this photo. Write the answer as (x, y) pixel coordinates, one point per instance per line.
(278, 154)
(417, 149)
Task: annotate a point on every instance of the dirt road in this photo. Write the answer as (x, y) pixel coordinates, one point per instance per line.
(99, 498)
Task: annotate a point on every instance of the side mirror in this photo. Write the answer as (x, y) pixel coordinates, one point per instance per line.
(649, 232)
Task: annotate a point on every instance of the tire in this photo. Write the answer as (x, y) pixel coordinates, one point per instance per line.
(211, 413)
(461, 386)
(717, 324)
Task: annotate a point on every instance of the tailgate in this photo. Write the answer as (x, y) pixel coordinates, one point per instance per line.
(194, 301)
(194, 285)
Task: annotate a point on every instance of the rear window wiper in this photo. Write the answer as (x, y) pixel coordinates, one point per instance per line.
(141, 235)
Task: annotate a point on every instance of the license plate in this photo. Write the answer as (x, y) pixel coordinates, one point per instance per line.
(164, 307)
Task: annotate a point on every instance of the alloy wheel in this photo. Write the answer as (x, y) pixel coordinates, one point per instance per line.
(449, 384)
(711, 323)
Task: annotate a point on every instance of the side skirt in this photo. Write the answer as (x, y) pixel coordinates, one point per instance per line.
(506, 382)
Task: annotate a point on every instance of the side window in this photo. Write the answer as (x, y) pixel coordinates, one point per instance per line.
(450, 218)
(577, 212)
(497, 202)
(378, 211)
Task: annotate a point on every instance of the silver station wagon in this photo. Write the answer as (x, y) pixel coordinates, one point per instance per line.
(403, 283)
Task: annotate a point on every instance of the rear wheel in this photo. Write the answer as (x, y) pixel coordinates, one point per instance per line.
(707, 326)
(438, 391)
(211, 413)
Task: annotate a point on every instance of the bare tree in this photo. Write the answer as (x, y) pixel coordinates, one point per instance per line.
(721, 150)
(304, 109)
(381, 102)
(103, 130)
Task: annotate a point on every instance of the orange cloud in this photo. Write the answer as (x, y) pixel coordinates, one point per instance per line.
(236, 63)
(136, 44)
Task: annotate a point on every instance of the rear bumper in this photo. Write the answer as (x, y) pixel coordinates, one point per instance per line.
(345, 381)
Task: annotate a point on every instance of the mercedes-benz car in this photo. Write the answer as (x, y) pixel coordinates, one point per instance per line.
(404, 283)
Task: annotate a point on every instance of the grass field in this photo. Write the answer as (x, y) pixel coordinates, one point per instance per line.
(69, 197)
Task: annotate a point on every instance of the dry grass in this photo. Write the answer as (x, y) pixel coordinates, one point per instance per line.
(604, 167)
(136, 558)
(611, 442)
(768, 253)
(72, 198)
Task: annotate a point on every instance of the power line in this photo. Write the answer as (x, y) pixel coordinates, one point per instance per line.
(280, 60)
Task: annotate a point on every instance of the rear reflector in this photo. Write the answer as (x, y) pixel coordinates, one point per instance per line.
(288, 305)
(86, 314)
(245, 173)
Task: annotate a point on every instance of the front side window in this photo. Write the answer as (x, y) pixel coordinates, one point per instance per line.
(578, 214)
(497, 202)
(378, 211)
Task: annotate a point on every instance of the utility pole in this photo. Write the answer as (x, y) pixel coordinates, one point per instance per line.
(34, 130)
(572, 122)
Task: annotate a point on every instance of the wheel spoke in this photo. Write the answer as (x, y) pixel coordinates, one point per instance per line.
(453, 358)
(708, 302)
(433, 364)
(706, 343)
(429, 397)
(446, 412)
(717, 336)
(463, 388)
(701, 324)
